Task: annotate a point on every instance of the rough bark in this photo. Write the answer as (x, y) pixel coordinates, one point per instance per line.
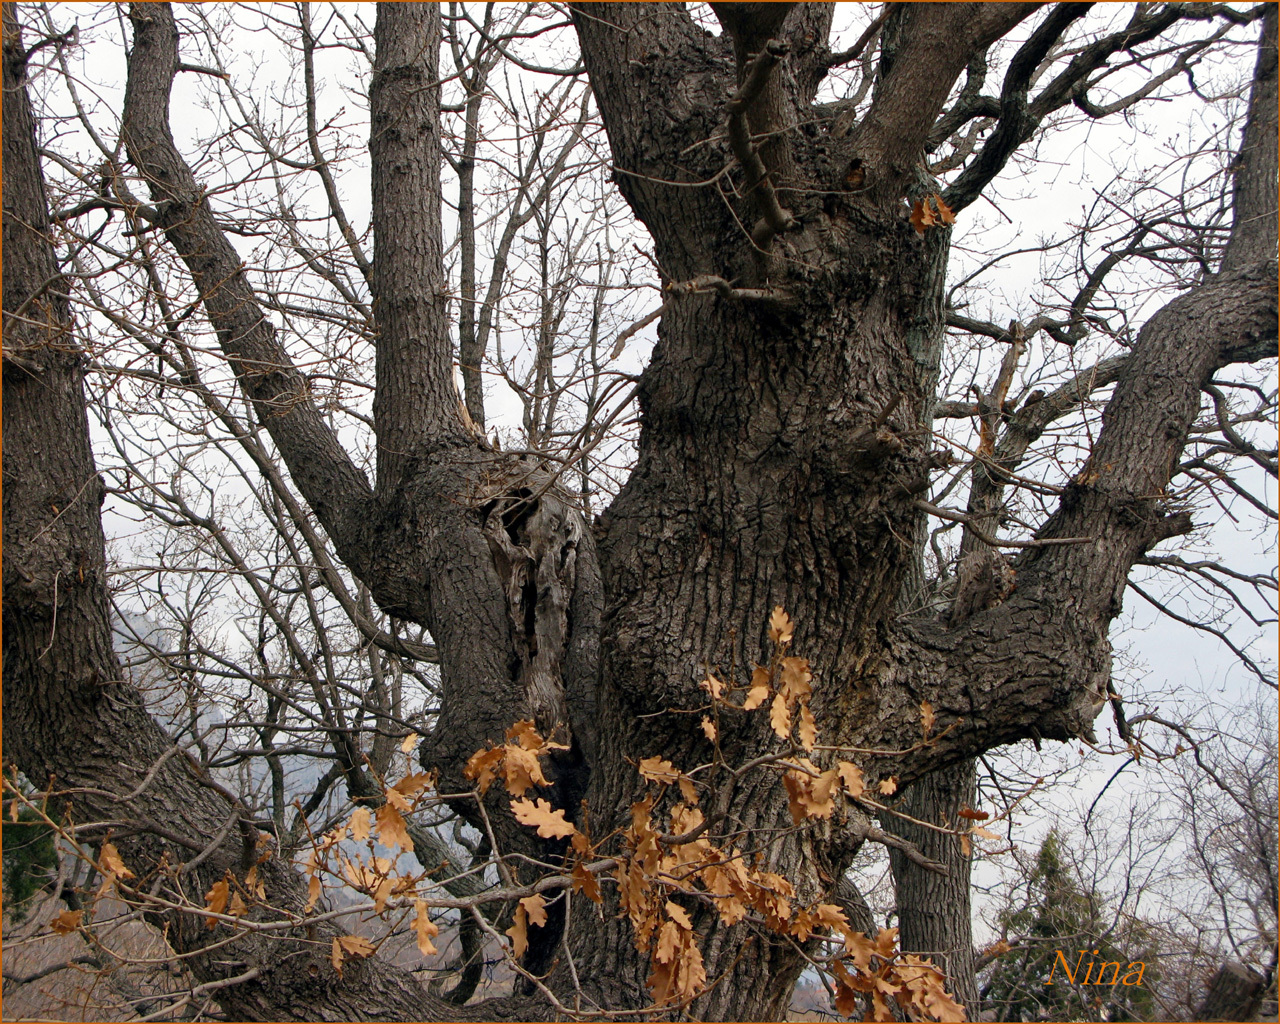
(784, 444)
(934, 917)
(73, 722)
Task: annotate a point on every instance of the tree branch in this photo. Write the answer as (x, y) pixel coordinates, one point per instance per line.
(322, 469)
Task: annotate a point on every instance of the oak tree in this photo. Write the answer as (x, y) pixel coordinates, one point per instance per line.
(784, 455)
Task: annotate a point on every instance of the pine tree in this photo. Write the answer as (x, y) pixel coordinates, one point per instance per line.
(1061, 933)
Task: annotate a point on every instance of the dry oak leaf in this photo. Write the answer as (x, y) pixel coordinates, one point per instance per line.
(529, 910)
(688, 790)
(237, 907)
(482, 766)
(535, 907)
(425, 928)
(808, 728)
(713, 686)
(586, 883)
(66, 921)
(781, 628)
(215, 900)
(522, 770)
(972, 815)
(927, 717)
(526, 734)
(985, 833)
(922, 217)
(519, 932)
(357, 946)
(391, 828)
(759, 692)
(551, 824)
(109, 862)
(335, 956)
(409, 743)
(851, 776)
(796, 678)
(655, 769)
(679, 915)
(889, 786)
(314, 888)
(708, 728)
(359, 824)
(780, 716)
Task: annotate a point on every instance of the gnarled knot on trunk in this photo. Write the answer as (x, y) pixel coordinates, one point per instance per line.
(533, 535)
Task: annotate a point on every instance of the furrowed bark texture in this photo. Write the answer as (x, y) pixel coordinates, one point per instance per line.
(785, 441)
(70, 719)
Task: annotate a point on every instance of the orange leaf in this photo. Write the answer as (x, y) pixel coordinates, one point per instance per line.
(67, 921)
(668, 942)
(382, 893)
(313, 893)
(887, 942)
(851, 775)
(237, 907)
(215, 900)
(519, 931)
(551, 824)
(357, 946)
(526, 734)
(968, 812)
(409, 743)
(998, 948)
(808, 728)
(889, 786)
(109, 862)
(535, 907)
(586, 883)
(335, 957)
(759, 692)
(966, 847)
(679, 915)
(482, 766)
(688, 790)
(780, 716)
(391, 828)
(921, 217)
(927, 717)
(522, 770)
(708, 728)
(985, 833)
(796, 678)
(655, 769)
(359, 824)
(425, 927)
(944, 211)
(781, 628)
(713, 686)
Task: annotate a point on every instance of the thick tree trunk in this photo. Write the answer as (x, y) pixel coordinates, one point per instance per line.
(934, 912)
(785, 441)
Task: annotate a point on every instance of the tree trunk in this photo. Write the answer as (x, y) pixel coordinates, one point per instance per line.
(934, 913)
(784, 444)
(1235, 993)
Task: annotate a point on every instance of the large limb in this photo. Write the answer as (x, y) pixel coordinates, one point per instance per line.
(1019, 116)
(69, 716)
(1039, 664)
(336, 489)
(416, 404)
(916, 76)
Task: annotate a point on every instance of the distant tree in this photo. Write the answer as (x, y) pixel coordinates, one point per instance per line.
(1059, 929)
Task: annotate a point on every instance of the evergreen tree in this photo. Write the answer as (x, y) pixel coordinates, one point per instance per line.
(1062, 934)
